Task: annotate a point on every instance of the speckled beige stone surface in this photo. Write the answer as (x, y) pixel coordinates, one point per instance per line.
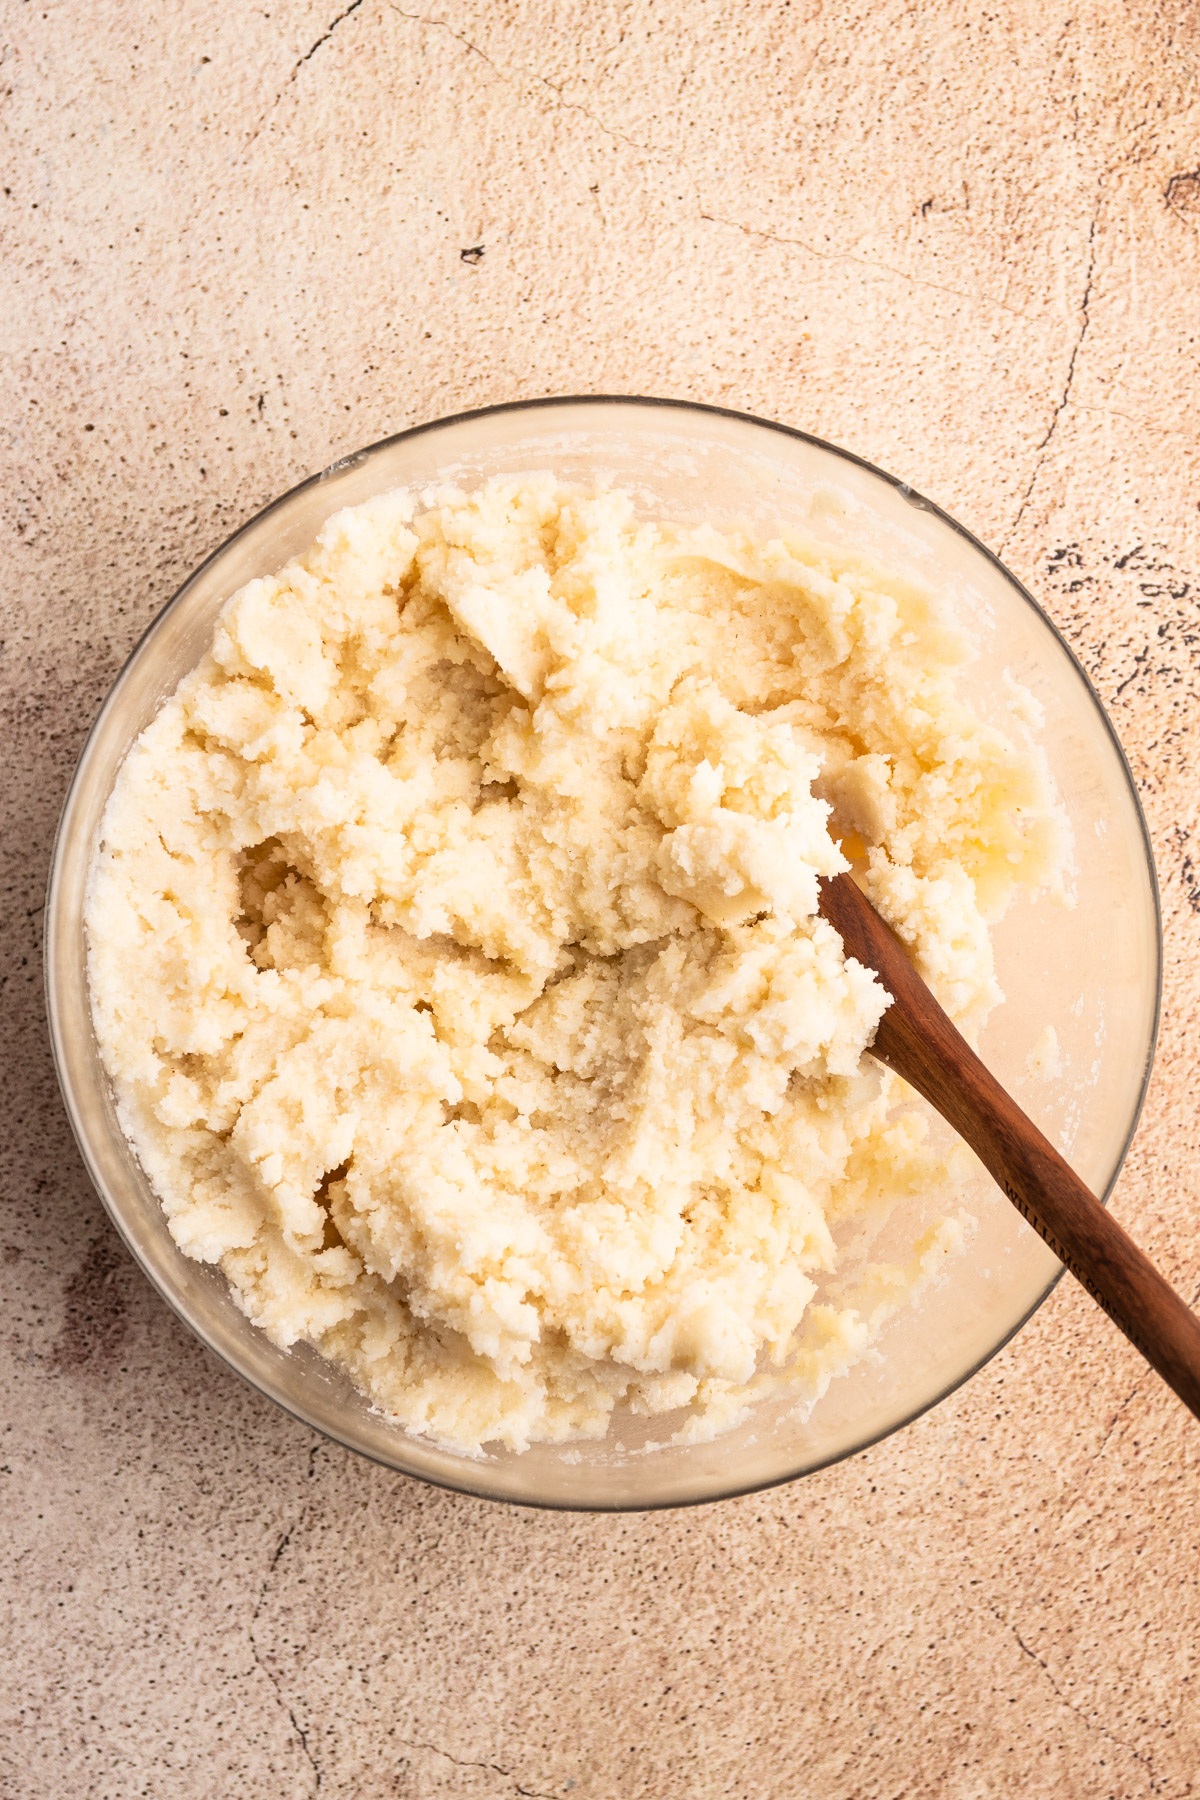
(240, 241)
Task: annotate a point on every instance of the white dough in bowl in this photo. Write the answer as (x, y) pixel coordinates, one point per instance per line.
(454, 952)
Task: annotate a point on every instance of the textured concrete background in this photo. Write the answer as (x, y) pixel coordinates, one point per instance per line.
(242, 240)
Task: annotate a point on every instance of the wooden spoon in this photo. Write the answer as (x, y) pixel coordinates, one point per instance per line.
(917, 1040)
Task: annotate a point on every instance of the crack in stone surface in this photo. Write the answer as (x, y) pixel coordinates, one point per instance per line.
(1156, 1783)
(862, 262)
(1077, 1486)
(468, 1762)
(296, 68)
(323, 39)
(1112, 1426)
(445, 25)
(1144, 424)
(1085, 319)
(285, 1539)
(618, 137)
(516, 73)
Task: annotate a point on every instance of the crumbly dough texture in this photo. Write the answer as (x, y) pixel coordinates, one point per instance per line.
(454, 952)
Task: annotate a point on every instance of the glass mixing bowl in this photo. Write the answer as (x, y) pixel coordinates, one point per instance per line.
(1092, 973)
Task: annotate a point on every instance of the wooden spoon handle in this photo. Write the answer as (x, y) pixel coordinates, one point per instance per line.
(918, 1041)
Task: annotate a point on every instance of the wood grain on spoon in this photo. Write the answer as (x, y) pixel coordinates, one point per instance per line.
(917, 1040)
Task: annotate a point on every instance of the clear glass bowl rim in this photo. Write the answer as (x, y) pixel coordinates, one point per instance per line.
(479, 1489)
